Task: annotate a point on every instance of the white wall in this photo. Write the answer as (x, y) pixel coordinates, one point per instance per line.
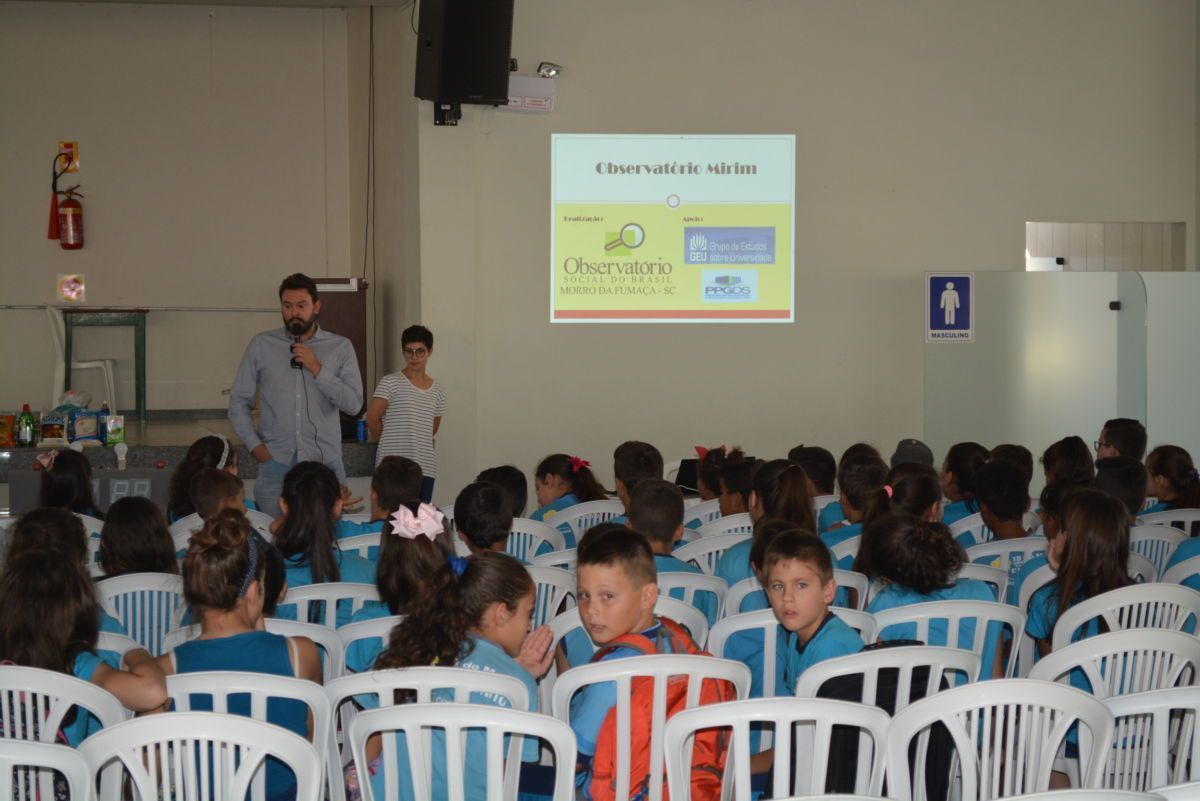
(927, 134)
(1173, 371)
(213, 149)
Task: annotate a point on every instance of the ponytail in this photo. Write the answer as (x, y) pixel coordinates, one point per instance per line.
(311, 491)
(576, 472)
(436, 630)
(405, 567)
(1095, 558)
(911, 489)
(783, 489)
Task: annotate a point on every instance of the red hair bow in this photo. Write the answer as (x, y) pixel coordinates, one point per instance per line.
(702, 451)
(578, 464)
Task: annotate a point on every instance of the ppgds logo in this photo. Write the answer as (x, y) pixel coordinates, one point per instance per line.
(729, 286)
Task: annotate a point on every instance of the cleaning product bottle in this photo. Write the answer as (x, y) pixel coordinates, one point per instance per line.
(26, 428)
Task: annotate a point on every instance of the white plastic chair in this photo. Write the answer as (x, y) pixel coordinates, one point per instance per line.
(1006, 734)
(1186, 520)
(307, 599)
(1124, 662)
(554, 586)
(184, 749)
(28, 768)
(328, 642)
(983, 613)
(355, 517)
(1140, 606)
(1179, 792)
(862, 622)
(381, 687)
(705, 512)
(660, 669)
(92, 525)
(1141, 569)
(582, 516)
(58, 333)
(980, 533)
(1002, 553)
(994, 577)
(183, 529)
(1033, 582)
(377, 628)
(739, 523)
(706, 551)
(1155, 741)
(762, 621)
(360, 544)
(565, 558)
(1156, 543)
(814, 720)
(148, 604)
(217, 686)
(951, 665)
(857, 582)
(739, 592)
(1088, 795)
(118, 644)
(1181, 571)
(52, 694)
(692, 583)
(457, 720)
(526, 538)
(261, 521)
(846, 549)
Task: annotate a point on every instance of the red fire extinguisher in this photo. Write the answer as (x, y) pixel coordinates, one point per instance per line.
(66, 218)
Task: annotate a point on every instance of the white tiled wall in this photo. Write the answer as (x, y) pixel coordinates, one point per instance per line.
(1095, 247)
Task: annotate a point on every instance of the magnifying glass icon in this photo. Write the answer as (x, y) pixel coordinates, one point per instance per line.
(632, 236)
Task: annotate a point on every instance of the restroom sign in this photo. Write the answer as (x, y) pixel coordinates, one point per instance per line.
(949, 307)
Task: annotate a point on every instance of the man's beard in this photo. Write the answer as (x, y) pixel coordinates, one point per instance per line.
(304, 325)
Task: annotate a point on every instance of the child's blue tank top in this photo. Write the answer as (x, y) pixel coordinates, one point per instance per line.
(250, 652)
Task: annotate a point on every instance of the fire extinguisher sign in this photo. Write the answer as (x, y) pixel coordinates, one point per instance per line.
(70, 149)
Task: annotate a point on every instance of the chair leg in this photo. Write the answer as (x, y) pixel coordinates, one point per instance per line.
(110, 385)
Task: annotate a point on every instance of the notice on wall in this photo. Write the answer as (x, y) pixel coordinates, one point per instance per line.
(949, 307)
(672, 229)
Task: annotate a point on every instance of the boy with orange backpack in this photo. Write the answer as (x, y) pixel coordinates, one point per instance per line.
(616, 593)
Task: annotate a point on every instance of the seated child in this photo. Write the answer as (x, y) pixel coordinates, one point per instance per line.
(212, 452)
(708, 474)
(919, 562)
(479, 620)
(223, 580)
(1122, 436)
(213, 491)
(135, 539)
(617, 592)
(859, 478)
(561, 481)
(1018, 455)
(395, 481)
(779, 489)
(1174, 480)
(513, 482)
(1002, 492)
(483, 516)
(1053, 502)
(634, 462)
(911, 489)
(66, 482)
(1125, 479)
(737, 477)
(311, 501)
(833, 514)
(48, 620)
(656, 512)
(958, 480)
(1069, 458)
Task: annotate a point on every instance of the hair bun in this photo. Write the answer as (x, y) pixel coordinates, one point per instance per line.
(227, 530)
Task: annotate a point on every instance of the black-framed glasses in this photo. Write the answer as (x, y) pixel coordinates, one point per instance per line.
(415, 353)
(1100, 445)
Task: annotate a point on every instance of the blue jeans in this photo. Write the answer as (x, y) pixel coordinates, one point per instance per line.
(269, 485)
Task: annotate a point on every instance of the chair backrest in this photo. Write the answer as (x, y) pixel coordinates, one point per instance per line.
(207, 748)
(1141, 569)
(1189, 791)
(1006, 554)
(658, 668)
(118, 644)
(147, 604)
(846, 549)
(935, 665)
(565, 558)
(329, 643)
(763, 621)
(1039, 578)
(685, 615)
(1140, 606)
(34, 702)
(316, 603)
(706, 551)
(1186, 520)
(972, 524)
(812, 720)
(691, 583)
(415, 721)
(377, 628)
(582, 516)
(1006, 732)
(857, 582)
(705, 512)
(29, 768)
(217, 687)
(1155, 742)
(1156, 543)
(977, 615)
(1124, 662)
(862, 622)
(175, 637)
(994, 577)
(58, 332)
(527, 536)
(1181, 571)
(739, 592)
(739, 523)
(364, 545)
(92, 525)
(554, 587)
(183, 528)
(261, 521)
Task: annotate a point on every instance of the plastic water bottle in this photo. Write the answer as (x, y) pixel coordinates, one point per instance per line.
(26, 428)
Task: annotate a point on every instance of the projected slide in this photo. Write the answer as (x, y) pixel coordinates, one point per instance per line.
(672, 229)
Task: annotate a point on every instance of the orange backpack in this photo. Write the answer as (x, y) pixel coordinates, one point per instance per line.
(709, 751)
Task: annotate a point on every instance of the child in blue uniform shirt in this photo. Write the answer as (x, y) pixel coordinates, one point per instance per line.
(708, 474)
(918, 562)
(633, 463)
(479, 621)
(395, 480)
(311, 500)
(656, 512)
(833, 513)
(958, 480)
(1002, 493)
(224, 577)
(911, 489)
(859, 478)
(561, 481)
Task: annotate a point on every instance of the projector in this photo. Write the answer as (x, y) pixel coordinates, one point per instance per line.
(529, 94)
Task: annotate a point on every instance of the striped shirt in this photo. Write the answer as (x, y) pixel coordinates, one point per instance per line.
(408, 422)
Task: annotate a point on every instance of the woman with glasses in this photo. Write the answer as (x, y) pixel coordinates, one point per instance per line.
(407, 407)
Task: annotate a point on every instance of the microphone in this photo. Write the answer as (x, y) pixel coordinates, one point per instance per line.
(297, 329)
